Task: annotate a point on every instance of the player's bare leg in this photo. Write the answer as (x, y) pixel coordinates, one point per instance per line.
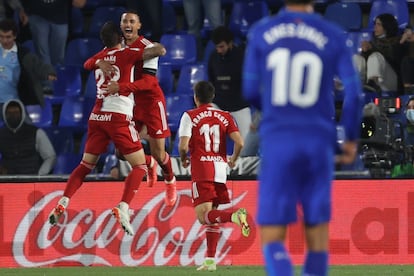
(157, 147)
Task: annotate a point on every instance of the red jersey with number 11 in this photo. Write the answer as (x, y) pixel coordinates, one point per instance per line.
(207, 128)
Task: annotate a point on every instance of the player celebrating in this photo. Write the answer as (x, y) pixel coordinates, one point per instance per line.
(290, 63)
(203, 133)
(150, 103)
(109, 120)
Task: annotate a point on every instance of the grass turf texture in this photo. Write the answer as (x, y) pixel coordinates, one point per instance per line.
(190, 270)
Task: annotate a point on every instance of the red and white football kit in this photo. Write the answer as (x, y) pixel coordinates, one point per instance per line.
(208, 128)
(150, 101)
(111, 116)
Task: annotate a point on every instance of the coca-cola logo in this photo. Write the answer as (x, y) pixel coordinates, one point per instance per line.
(84, 236)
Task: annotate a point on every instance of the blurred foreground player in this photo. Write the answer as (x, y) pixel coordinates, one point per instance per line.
(291, 60)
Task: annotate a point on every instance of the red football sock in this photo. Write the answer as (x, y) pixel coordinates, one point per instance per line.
(76, 178)
(148, 159)
(212, 236)
(167, 168)
(132, 182)
(217, 216)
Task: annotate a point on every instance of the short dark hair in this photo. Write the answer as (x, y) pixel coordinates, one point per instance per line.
(222, 33)
(204, 92)
(110, 34)
(7, 25)
(133, 11)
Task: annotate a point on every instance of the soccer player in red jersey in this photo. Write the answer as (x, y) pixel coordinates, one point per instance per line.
(203, 133)
(150, 103)
(110, 120)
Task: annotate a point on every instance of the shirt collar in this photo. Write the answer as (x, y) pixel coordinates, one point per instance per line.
(12, 49)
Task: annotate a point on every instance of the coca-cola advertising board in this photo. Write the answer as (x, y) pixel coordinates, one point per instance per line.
(373, 223)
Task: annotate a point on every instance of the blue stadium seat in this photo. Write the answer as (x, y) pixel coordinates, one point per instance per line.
(66, 163)
(72, 114)
(90, 86)
(165, 78)
(78, 50)
(181, 49)
(41, 116)
(355, 39)
(61, 139)
(210, 47)
(244, 14)
(190, 74)
(176, 106)
(399, 8)
(29, 45)
(347, 15)
(206, 29)
(175, 3)
(68, 83)
(103, 14)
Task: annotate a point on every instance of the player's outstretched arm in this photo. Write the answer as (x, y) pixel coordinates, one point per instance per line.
(238, 145)
(154, 50)
(124, 88)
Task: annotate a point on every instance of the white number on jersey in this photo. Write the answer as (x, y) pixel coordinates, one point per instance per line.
(100, 80)
(288, 78)
(211, 132)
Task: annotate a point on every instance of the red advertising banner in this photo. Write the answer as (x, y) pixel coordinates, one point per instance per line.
(373, 223)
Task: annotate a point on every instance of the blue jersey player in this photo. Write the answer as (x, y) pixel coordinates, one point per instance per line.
(290, 64)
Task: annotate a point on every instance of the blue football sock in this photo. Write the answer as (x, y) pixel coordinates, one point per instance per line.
(316, 264)
(277, 260)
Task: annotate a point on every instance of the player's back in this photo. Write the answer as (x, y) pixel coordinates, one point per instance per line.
(123, 62)
(210, 127)
(209, 131)
(298, 56)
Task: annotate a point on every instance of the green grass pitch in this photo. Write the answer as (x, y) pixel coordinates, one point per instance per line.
(378, 270)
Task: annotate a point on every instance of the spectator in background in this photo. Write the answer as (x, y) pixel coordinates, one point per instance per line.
(409, 130)
(25, 149)
(407, 63)
(21, 71)
(204, 138)
(406, 169)
(49, 26)
(16, 6)
(251, 142)
(193, 11)
(225, 73)
(150, 16)
(380, 59)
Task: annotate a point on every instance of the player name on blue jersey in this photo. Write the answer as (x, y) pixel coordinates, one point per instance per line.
(301, 31)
